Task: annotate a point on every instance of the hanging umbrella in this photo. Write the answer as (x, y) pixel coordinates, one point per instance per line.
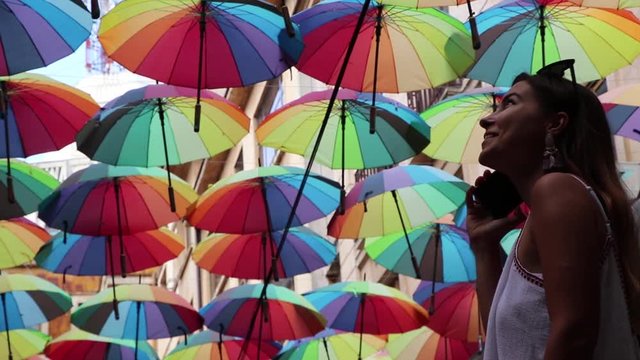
(442, 253)
(74, 342)
(525, 35)
(456, 314)
(399, 48)
(108, 200)
(24, 343)
(331, 345)
(346, 144)
(131, 129)
(200, 44)
(612, 4)
(456, 134)
(137, 312)
(62, 26)
(249, 256)
(282, 314)
(27, 301)
(623, 110)
(23, 189)
(509, 240)
(20, 240)
(424, 344)
(397, 199)
(93, 255)
(260, 200)
(365, 307)
(211, 345)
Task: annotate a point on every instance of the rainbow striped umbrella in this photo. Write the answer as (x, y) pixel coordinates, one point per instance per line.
(281, 314)
(62, 26)
(211, 345)
(94, 347)
(260, 200)
(22, 188)
(250, 256)
(623, 110)
(423, 3)
(132, 128)
(600, 40)
(22, 343)
(612, 4)
(424, 343)
(456, 134)
(20, 240)
(330, 344)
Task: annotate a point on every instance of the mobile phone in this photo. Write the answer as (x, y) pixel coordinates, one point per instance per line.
(498, 195)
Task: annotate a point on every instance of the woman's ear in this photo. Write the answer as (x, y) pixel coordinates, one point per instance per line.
(557, 123)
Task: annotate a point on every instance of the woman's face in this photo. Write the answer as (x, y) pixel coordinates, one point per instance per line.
(515, 132)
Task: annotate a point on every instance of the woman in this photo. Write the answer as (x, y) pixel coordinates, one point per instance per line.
(561, 294)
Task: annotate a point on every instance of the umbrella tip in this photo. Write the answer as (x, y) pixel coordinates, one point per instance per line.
(95, 10)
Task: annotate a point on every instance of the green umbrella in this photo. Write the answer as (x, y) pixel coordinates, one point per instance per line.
(22, 188)
(24, 343)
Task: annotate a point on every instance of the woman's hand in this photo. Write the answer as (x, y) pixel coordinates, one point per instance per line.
(485, 232)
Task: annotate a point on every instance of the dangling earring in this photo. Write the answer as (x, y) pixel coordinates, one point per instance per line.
(551, 157)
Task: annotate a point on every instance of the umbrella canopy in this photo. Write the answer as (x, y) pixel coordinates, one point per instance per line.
(397, 199)
(294, 128)
(398, 49)
(28, 300)
(24, 343)
(261, 199)
(62, 26)
(107, 200)
(524, 35)
(424, 343)
(211, 345)
(367, 307)
(22, 188)
(424, 3)
(281, 314)
(331, 345)
(509, 240)
(623, 110)
(74, 342)
(456, 134)
(20, 240)
(38, 113)
(442, 252)
(93, 255)
(613, 4)
(142, 312)
(456, 313)
(133, 128)
(249, 256)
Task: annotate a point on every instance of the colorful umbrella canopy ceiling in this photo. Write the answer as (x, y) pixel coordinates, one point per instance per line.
(22, 188)
(422, 194)
(20, 240)
(509, 240)
(423, 3)
(211, 345)
(331, 345)
(456, 134)
(260, 200)
(612, 4)
(75, 254)
(400, 133)
(74, 342)
(443, 253)
(424, 343)
(28, 300)
(41, 114)
(280, 315)
(34, 34)
(600, 40)
(134, 128)
(623, 110)
(250, 256)
(143, 312)
(445, 51)
(366, 307)
(24, 343)
(239, 43)
(108, 200)
(456, 314)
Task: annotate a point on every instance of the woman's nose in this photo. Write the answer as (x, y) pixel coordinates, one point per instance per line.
(485, 122)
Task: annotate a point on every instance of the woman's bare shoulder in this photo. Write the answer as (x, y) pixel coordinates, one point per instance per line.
(560, 193)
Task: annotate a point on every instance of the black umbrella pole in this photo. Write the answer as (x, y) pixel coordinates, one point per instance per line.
(95, 10)
(343, 125)
(123, 257)
(172, 198)
(326, 347)
(113, 277)
(414, 261)
(362, 302)
(372, 111)
(4, 109)
(6, 323)
(475, 37)
(288, 24)
(432, 303)
(542, 27)
(203, 28)
(135, 354)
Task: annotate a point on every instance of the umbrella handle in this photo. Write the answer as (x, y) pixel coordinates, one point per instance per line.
(196, 118)
(95, 10)
(10, 194)
(172, 199)
(475, 36)
(288, 24)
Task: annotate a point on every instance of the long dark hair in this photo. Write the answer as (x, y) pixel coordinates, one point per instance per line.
(586, 147)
